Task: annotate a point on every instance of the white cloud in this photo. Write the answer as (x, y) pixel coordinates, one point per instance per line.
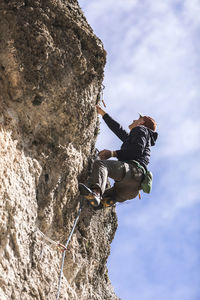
(183, 139)
(191, 13)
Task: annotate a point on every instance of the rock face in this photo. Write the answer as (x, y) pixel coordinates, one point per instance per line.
(51, 70)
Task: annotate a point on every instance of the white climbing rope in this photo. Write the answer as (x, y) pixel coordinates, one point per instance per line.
(64, 252)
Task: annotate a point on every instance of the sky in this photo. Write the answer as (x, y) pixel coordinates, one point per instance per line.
(153, 67)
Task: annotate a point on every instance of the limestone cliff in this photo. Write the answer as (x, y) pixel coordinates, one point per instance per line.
(51, 70)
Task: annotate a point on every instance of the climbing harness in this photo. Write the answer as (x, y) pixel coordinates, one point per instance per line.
(66, 244)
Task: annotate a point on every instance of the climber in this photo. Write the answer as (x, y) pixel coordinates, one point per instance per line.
(128, 171)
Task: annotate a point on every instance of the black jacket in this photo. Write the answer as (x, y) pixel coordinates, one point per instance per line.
(136, 144)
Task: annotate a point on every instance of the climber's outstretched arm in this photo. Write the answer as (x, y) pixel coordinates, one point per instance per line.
(112, 124)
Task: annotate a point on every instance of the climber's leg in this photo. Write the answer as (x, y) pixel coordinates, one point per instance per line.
(128, 188)
(127, 178)
(125, 189)
(102, 169)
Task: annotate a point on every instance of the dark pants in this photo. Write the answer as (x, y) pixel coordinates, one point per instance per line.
(127, 178)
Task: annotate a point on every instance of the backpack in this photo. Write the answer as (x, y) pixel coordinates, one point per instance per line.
(146, 184)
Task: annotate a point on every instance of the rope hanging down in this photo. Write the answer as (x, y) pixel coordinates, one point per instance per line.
(66, 244)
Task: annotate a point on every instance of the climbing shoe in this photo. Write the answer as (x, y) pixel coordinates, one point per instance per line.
(107, 202)
(93, 198)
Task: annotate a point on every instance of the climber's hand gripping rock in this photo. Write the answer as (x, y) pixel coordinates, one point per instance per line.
(100, 110)
(105, 154)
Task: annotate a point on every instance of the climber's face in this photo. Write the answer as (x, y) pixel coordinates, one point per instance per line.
(136, 123)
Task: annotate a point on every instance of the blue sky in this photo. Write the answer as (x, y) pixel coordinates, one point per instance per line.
(153, 67)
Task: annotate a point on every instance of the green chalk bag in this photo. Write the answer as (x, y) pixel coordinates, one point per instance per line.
(146, 184)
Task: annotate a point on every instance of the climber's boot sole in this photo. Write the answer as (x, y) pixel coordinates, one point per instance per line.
(89, 195)
(107, 202)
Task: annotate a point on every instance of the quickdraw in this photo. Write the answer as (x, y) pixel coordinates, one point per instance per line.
(101, 96)
(57, 244)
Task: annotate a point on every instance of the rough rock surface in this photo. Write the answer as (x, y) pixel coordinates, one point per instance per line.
(51, 70)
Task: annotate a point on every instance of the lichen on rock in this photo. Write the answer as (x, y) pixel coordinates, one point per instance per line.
(51, 71)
